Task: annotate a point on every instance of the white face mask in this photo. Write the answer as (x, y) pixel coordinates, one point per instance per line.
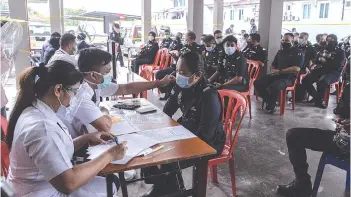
(183, 81)
(209, 49)
(68, 113)
(229, 50)
(219, 40)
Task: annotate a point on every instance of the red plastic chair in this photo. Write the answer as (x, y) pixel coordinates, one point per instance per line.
(156, 61)
(5, 159)
(254, 70)
(4, 125)
(236, 105)
(338, 87)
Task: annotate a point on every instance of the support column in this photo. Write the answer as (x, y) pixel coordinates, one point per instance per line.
(218, 15)
(270, 27)
(146, 18)
(56, 14)
(195, 20)
(18, 10)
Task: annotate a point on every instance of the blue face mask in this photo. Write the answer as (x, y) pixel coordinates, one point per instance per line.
(106, 82)
(229, 50)
(182, 81)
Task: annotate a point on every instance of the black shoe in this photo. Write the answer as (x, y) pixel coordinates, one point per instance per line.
(296, 189)
(271, 111)
(167, 95)
(311, 101)
(155, 191)
(320, 105)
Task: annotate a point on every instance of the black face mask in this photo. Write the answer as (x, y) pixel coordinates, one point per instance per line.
(177, 38)
(323, 43)
(250, 44)
(286, 45)
(331, 45)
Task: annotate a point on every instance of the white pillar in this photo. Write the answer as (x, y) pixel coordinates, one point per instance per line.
(146, 18)
(56, 15)
(18, 10)
(195, 17)
(218, 15)
(270, 26)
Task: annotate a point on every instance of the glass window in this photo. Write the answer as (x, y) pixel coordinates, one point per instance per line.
(306, 11)
(323, 10)
(231, 17)
(241, 14)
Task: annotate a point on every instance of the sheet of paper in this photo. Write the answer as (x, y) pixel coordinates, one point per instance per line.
(136, 143)
(122, 126)
(168, 134)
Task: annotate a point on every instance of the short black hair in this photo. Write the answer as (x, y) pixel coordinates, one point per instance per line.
(67, 39)
(92, 57)
(255, 37)
(192, 60)
(153, 34)
(209, 38)
(230, 38)
(217, 32)
(203, 35)
(319, 37)
(116, 25)
(333, 36)
(191, 35)
(305, 34)
(289, 34)
(55, 34)
(296, 34)
(167, 30)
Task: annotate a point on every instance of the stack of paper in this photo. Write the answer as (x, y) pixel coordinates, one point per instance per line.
(168, 134)
(136, 143)
(122, 126)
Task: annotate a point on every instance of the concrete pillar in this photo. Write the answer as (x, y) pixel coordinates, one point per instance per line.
(218, 15)
(146, 18)
(56, 15)
(18, 10)
(270, 27)
(195, 20)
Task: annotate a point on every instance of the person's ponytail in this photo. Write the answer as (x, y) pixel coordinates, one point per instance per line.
(25, 97)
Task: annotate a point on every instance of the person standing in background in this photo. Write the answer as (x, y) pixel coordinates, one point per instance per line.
(47, 45)
(253, 28)
(116, 36)
(230, 30)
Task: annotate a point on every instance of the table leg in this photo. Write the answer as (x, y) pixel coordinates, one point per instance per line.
(109, 183)
(123, 184)
(200, 178)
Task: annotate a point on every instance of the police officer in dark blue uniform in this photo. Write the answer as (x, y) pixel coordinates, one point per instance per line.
(254, 51)
(327, 70)
(212, 55)
(115, 35)
(201, 110)
(167, 41)
(190, 46)
(176, 44)
(219, 39)
(147, 54)
(232, 70)
(285, 66)
(82, 44)
(320, 42)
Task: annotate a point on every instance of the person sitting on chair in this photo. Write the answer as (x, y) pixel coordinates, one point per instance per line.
(285, 66)
(327, 70)
(147, 54)
(201, 114)
(232, 73)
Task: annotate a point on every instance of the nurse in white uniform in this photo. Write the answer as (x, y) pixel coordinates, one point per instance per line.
(41, 146)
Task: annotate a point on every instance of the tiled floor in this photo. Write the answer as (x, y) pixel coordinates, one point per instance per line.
(261, 158)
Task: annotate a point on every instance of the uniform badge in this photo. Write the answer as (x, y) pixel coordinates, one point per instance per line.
(193, 108)
(179, 97)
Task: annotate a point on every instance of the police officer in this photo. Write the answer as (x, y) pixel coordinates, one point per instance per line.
(116, 36)
(167, 41)
(212, 55)
(320, 42)
(326, 71)
(176, 44)
(190, 46)
(82, 44)
(285, 66)
(232, 70)
(254, 51)
(345, 45)
(201, 111)
(147, 54)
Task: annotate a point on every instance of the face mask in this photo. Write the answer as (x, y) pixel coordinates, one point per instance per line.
(182, 81)
(229, 50)
(300, 41)
(250, 44)
(167, 36)
(331, 46)
(286, 45)
(219, 40)
(209, 49)
(106, 82)
(63, 112)
(323, 43)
